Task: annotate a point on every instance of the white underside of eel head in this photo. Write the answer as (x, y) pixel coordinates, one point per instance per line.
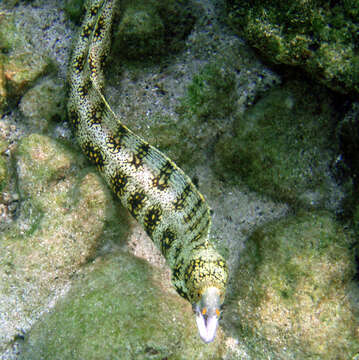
(207, 312)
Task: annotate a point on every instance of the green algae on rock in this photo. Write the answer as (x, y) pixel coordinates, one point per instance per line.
(19, 66)
(3, 100)
(64, 212)
(348, 136)
(211, 93)
(9, 36)
(74, 9)
(295, 288)
(141, 32)
(43, 103)
(113, 311)
(151, 28)
(319, 36)
(4, 172)
(22, 70)
(284, 147)
(348, 163)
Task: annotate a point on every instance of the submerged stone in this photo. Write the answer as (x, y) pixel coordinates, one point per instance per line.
(3, 101)
(43, 103)
(149, 29)
(211, 94)
(118, 309)
(283, 147)
(62, 216)
(318, 36)
(19, 66)
(295, 289)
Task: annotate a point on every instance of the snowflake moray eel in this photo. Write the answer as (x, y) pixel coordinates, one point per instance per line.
(158, 194)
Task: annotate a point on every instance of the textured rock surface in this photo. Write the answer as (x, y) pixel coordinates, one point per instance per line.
(19, 66)
(319, 36)
(62, 220)
(43, 104)
(294, 289)
(113, 311)
(284, 147)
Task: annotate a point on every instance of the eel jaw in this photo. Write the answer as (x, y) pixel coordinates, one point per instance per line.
(207, 312)
(207, 326)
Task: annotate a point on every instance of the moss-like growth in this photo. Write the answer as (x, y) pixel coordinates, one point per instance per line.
(12, 3)
(64, 212)
(141, 32)
(9, 38)
(211, 93)
(23, 70)
(3, 173)
(151, 28)
(348, 136)
(117, 312)
(348, 164)
(283, 146)
(356, 219)
(3, 101)
(41, 161)
(19, 68)
(74, 9)
(44, 103)
(294, 288)
(319, 36)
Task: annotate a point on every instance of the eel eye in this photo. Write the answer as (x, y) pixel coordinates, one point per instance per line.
(204, 311)
(218, 312)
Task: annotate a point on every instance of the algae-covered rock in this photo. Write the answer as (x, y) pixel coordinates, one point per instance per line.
(209, 98)
(141, 31)
(284, 146)
(3, 101)
(294, 289)
(22, 69)
(348, 134)
(74, 9)
(356, 219)
(11, 3)
(151, 28)
(211, 94)
(118, 310)
(43, 103)
(348, 163)
(3, 173)
(319, 36)
(63, 215)
(20, 66)
(9, 37)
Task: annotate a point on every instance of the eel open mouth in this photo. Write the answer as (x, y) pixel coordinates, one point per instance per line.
(207, 325)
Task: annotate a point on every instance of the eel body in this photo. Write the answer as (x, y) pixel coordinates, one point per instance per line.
(158, 194)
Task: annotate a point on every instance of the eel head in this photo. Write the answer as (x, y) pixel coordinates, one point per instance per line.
(207, 311)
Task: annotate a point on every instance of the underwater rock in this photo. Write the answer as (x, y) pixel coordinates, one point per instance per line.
(283, 147)
(295, 289)
(44, 103)
(3, 101)
(74, 9)
(20, 67)
(211, 94)
(318, 36)
(3, 167)
(63, 214)
(152, 28)
(118, 309)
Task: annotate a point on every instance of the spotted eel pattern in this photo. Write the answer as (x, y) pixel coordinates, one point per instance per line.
(152, 187)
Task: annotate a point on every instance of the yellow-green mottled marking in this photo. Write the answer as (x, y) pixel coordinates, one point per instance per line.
(153, 188)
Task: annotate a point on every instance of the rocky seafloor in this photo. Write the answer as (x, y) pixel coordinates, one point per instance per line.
(270, 150)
